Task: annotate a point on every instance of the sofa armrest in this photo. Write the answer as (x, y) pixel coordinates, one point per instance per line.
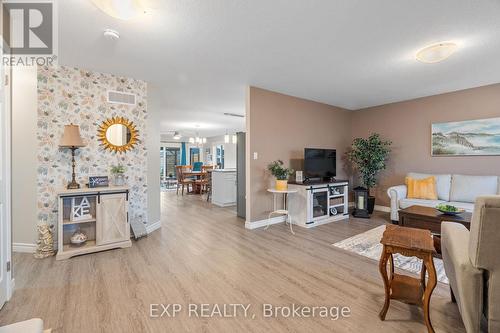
(396, 193)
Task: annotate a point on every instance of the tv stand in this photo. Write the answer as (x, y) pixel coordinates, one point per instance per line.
(319, 203)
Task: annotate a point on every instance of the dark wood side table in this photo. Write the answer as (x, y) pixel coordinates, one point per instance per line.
(430, 218)
(408, 242)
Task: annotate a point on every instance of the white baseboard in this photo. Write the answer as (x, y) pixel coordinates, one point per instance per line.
(281, 219)
(265, 222)
(153, 226)
(382, 208)
(23, 247)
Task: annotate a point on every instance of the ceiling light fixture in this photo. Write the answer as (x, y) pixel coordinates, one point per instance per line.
(436, 52)
(121, 9)
(177, 136)
(235, 138)
(226, 138)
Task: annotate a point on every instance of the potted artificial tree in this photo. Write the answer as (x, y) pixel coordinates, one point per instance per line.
(368, 158)
(281, 173)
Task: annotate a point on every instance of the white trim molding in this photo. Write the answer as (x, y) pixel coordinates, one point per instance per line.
(382, 208)
(153, 226)
(280, 219)
(23, 247)
(264, 222)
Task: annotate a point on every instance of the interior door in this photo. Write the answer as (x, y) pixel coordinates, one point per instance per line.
(5, 113)
(112, 220)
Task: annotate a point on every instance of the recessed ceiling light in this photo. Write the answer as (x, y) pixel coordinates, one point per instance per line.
(121, 9)
(436, 52)
(111, 34)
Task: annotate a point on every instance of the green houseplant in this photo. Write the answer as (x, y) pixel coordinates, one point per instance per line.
(118, 172)
(368, 157)
(281, 173)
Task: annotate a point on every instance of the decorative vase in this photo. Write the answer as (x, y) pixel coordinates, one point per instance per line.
(371, 204)
(119, 179)
(281, 185)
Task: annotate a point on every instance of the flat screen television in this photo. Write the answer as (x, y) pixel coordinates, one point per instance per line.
(320, 164)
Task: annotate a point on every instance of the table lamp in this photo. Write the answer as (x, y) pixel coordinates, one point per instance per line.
(71, 139)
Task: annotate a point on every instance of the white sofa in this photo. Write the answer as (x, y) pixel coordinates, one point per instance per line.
(457, 190)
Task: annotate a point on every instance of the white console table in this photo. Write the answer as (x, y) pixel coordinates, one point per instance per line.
(319, 203)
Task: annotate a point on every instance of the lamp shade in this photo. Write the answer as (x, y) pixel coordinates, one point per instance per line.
(71, 137)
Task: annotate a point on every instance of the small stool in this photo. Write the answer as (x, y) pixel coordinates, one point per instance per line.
(284, 211)
(408, 242)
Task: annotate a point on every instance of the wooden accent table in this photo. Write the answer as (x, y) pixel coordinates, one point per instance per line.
(429, 218)
(408, 242)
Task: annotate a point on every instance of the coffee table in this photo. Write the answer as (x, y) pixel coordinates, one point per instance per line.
(429, 218)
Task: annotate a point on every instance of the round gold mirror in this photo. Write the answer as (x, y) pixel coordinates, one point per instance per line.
(118, 134)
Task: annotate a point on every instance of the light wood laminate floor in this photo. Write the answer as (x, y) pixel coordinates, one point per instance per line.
(203, 254)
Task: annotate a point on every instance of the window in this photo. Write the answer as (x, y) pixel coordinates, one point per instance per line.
(169, 158)
(220, 156)
(194, 155)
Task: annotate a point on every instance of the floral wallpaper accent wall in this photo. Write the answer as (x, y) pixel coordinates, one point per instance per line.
(72, 95)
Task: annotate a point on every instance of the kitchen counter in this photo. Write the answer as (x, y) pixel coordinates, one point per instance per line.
(224, 170)
(224, 187)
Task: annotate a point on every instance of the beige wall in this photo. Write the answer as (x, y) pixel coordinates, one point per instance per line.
(24, 152)
(280, 127)
(408, 125)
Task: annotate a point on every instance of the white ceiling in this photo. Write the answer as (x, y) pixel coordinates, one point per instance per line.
(201, 54)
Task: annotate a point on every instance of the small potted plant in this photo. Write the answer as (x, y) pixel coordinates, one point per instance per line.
(281, 173)
(118, 172)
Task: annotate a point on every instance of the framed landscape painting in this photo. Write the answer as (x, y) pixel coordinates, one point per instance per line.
(466, 138)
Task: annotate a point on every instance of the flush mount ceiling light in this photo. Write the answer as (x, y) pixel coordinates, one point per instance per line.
(121, 9)
(436, 52)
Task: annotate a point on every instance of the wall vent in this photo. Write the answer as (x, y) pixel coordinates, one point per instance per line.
(119, 97)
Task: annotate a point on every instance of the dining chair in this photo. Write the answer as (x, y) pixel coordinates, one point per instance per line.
(208, 182)
(197, 166)
(182, 180)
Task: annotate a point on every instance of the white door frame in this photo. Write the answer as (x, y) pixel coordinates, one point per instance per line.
(6, 283)
(6, 187)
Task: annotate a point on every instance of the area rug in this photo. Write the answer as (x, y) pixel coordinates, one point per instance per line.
(368, 245)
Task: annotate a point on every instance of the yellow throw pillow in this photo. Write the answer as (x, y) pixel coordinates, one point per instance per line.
(422, 188)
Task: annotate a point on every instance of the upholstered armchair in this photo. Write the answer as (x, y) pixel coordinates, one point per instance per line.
(472, 264)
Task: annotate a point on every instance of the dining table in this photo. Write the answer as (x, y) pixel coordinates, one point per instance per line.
(196, 175)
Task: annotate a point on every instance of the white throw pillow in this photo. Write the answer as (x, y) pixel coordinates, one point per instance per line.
(468, 188)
